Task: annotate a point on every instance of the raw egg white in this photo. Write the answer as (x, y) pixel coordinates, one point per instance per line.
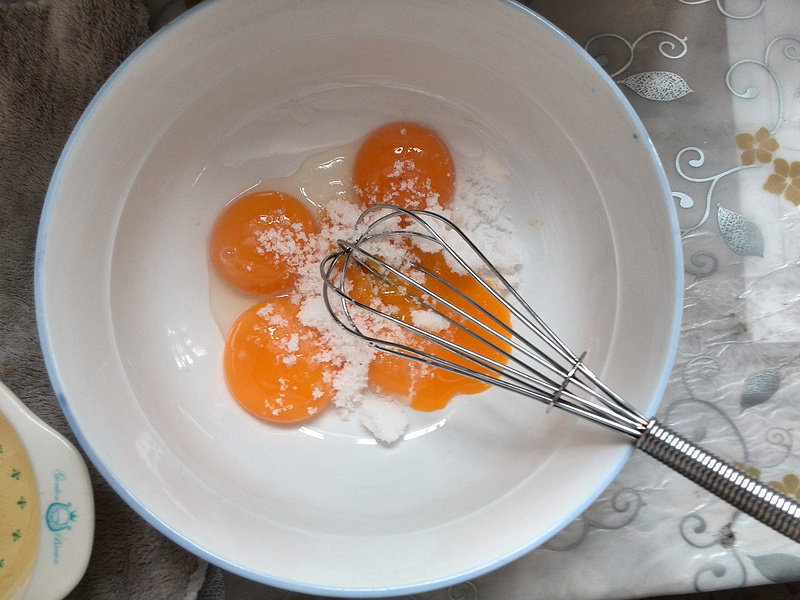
(320, 179)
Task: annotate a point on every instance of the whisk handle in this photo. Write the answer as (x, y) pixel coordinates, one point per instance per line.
(726, 481)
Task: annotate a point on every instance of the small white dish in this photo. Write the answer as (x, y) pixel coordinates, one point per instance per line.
(235, 92)
(61, 491)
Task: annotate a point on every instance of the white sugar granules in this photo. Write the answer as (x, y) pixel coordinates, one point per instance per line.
(286, 243)
(475, 209)
(429, 320)
(415, 192)
(386, 419)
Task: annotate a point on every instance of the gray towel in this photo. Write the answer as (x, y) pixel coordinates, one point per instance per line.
(53, 57)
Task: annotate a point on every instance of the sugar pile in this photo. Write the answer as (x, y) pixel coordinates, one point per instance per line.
(476, 209)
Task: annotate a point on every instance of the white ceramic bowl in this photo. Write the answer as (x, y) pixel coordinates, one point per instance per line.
(64, 526)
(241, 90)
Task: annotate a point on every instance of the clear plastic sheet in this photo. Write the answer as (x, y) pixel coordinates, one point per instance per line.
(717, 85)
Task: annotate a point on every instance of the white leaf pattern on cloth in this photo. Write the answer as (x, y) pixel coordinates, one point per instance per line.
(662, 86)
(777, 566)
(760, 387)
(741, 235)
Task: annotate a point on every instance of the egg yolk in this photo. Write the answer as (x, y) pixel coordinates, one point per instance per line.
(275, 366)
(404, 164)
(258, 239)
(282, 370)
(431, 388)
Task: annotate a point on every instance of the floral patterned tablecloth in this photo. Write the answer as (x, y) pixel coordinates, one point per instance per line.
(717, 85)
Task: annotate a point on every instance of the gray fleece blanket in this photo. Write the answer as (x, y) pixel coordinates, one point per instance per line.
(54, 56)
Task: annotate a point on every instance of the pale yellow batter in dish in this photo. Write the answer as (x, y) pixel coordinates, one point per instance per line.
(19, 514)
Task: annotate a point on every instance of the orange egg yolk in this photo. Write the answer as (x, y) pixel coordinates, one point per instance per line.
(275, 366)
(256, 239)
(404, 164)
(280, 369)
(431, 388)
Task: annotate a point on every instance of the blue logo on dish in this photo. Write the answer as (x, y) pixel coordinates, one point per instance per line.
(59, 516)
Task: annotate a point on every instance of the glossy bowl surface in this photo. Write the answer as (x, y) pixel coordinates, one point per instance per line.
(236, 92)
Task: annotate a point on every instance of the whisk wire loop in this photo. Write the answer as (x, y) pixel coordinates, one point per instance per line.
(425, 219)
(529, 370)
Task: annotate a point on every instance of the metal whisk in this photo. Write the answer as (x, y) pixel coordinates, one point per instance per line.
(533, 361)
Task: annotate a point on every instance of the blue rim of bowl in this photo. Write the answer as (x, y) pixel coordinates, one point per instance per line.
(153, 519)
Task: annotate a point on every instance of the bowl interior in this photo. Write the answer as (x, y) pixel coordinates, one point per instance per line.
(240, 94)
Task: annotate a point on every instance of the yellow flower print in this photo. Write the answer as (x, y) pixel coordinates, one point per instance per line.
(758, 147)
(785, 180)
(789, 485)
(752, 471)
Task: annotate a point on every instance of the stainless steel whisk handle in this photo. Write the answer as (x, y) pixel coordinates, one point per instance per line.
(722, 479)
